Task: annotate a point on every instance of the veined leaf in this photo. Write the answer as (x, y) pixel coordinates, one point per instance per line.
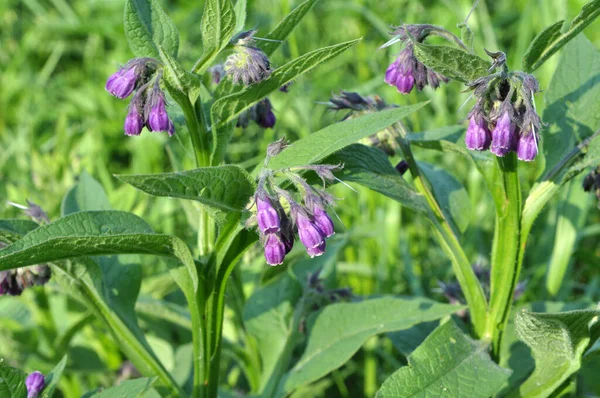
(128, 388)
(179, 81)
(550, 40)
(147, 26)
(447, 364)
(557, 342)
(226, 188)
(451, 62)
(240, 15)
(12, 229)
(334, 137)
(218, 25)
(12, 382)
(93, 233)
(226, 109)
(371, 168)
(341, 329)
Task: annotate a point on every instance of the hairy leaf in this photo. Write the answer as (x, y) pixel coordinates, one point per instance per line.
(550, 40)
(147, 26)
(371, 168)
(179, 81)
(218, 26)
(12, 382)
(12, 229)
(341, 329)
(557, 342)
(332, 138)
(447, 364)
(451, 62)
(226, 109)
(221, 187)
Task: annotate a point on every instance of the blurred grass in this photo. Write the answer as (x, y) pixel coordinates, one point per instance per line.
(56, 120)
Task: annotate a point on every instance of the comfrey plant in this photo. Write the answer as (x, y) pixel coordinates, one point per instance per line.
(242, 327)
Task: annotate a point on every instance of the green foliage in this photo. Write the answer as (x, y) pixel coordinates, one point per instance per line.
(12, 382)
(148, 27)
(557, 342)
(87, 194)
(340, 329)
(127, 389)
(451, 62)
(218, 26)
(52, 378)
(448, 363)
(553, 38)
(226, 188)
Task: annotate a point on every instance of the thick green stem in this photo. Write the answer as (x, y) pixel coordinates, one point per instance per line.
(506, 252)
(198, 135)
(448, 240)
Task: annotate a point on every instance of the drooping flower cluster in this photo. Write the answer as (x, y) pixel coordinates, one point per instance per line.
(504, 118)
(35, 383)
(248, 64)
(307, 218)
(407, 71)
(261, 113)
(591, 183)
(141, 77)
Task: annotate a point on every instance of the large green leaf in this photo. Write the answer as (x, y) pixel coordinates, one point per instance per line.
(334, 137)
(226, 109)
(52, 378)
(87, 194)
(451, 62)
(178, 80)
(550, 40)
(147, 26)
(12, 382)
(127, 389)
(557, 342)
(573, 109)
(447, 364)
(218, 26)
(371, 168)
(225, 188)
(341, 329)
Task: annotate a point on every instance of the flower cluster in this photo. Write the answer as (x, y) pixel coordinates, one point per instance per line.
(248, 64)
(261, 113)
(35, 383)
(591, 183)
(14, 281)
(141, 77)
(407, 71)
(306, 218)
(504, 118)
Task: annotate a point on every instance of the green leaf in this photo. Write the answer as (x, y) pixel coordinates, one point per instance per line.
(127, 389)
(557, 342)
(450, 194)
(51, 379)
(160, 309)
(228, 108)
(341, 329)
(371, 168)
(87, 194)
(178, 80)
(332, 138)
(147, 26)
(94, 233)
(451, 62)
(240, 15)
(285, 27)
(447, 364)
(218, 26)
(226, 188)
(12, 382)
(550, 40)
(573, 109)
(12, 229)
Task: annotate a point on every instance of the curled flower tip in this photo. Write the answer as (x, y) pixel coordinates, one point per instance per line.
(158, 119)
(310, 235)
(266, 215)
(478, 136)
(527, 146)
(35, 384)
(276, 147)
(134, 122)
(503, 135)
(265, 117)
(275, 249)
(122, 83)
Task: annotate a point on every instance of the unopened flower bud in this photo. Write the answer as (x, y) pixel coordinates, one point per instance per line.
(266, 215)
(122, 83)
(275, 250)
(322, 220)
(310, 235)
(134, 122)
(402, 167)
(158, 119)
(503, 135)
(34, 384)
(265, 117)
(401, 72)
(478, 136)
(527, 146)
